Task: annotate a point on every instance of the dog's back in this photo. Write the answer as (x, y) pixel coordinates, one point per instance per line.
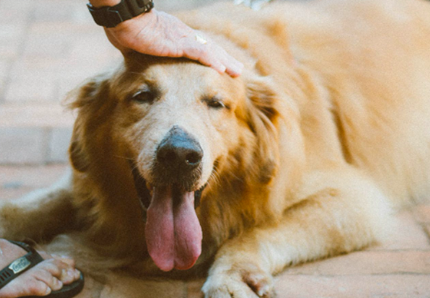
(373, 58)
(371, 61)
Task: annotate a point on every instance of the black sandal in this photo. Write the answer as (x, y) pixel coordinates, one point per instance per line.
(19, 266)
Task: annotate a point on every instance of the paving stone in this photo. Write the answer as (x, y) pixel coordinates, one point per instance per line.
(147, 289)
(194, 288)
(373, 286)
(51, 11)
(94, 46)
(13, 193)
(4, 72)
(368, 262)
(22, 145)
(59, 144)
(44, 45)
(35, 115)
(10, 47)
(14, 12)
(11, 36)
(422, 213)
(36, 89)
(30, 177)
(28, 68)
(4, 68)
(407, 234)
(170, 6)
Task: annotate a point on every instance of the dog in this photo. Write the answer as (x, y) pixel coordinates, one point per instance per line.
(180, 171)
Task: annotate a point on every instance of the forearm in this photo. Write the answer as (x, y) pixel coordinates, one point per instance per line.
(100, 3)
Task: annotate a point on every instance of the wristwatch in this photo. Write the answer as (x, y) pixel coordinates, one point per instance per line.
(110, 16)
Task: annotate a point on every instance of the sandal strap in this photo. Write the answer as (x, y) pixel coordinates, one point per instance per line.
(20, 265)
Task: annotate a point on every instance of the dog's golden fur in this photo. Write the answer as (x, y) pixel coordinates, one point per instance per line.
(305, 155)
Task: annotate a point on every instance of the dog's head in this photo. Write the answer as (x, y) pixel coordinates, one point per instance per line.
(175, 128)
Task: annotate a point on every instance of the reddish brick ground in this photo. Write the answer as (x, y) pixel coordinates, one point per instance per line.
(397, 268)
(47, 47)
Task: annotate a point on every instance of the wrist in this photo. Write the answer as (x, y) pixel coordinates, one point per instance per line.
(140, 21)
(101, 3)
(111, 16)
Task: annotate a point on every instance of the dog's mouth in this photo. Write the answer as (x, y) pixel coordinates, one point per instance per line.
(145, 195)
(173, 232)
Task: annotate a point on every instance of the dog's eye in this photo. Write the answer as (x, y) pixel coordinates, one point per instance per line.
(143, 96)
(215, 103)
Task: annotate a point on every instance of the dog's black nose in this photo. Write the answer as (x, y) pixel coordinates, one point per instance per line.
(179, 151)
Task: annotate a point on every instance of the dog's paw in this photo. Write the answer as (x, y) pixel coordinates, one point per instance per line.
(239, 283)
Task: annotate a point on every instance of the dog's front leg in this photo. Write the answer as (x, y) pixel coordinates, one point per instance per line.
(340, 217)
(39, 215)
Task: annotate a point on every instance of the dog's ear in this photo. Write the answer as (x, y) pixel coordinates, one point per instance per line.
(87, 100)
(262, 114)
(77, 153)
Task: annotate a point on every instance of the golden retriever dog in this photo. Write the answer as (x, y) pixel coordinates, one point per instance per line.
(179, 170)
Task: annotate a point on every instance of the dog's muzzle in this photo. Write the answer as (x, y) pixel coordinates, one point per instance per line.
(178, 160)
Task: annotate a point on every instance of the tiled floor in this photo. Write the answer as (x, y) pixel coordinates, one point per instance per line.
(47, 47)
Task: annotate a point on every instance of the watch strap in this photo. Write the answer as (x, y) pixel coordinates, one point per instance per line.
(111, 16)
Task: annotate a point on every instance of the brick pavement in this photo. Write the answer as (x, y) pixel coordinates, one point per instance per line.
(44, 54)
(397, 268)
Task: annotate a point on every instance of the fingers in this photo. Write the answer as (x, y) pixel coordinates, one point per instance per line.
(196, 46)
(210, 54)
(161, 34)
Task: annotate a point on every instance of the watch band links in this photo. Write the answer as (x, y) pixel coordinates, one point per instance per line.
(111, 16)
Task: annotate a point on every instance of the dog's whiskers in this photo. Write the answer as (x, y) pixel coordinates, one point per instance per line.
(215, 176)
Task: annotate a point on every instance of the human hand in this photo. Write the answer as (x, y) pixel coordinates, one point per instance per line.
(160, 34)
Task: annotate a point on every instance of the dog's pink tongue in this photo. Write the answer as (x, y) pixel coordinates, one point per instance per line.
(173, 232)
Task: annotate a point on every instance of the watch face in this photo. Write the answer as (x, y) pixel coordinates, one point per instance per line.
(110, 16)
(144, 2)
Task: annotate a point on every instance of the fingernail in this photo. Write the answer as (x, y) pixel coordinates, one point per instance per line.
(71, 273)
(239, 67)
(234, 73)
(222, 68)
(48, 291)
